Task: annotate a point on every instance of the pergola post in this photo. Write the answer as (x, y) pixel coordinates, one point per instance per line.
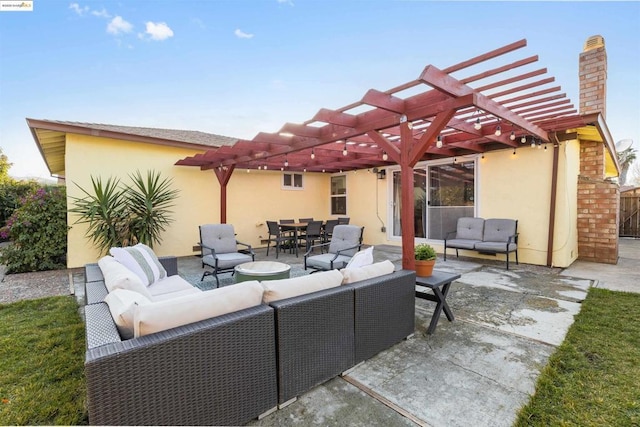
(224, 174)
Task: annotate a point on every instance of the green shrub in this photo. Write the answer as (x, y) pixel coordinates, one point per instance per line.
(38, 232)
(11, 192)
(425, 252)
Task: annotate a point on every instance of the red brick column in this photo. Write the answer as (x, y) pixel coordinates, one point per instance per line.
(598, 206)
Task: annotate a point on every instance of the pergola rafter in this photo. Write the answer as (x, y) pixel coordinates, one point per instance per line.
(385, 127)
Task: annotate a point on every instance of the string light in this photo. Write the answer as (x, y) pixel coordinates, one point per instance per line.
(512, 136)
(344, 152)
(286, 162)
(523, 139)
(265, 167)
(385, 156)
(439, 141)
(514, 151)
(498, 130)
(477, 125)
(313, 153)
(455, 160)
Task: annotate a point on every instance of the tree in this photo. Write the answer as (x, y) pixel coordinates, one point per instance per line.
(4, 168)
(625, 159)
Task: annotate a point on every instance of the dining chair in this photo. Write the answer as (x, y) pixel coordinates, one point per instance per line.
(305, 220)
(313, 233)
(281, 239)
(343, 220)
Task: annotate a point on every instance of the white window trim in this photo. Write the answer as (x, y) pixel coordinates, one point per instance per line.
(291, 187)
(345, 195)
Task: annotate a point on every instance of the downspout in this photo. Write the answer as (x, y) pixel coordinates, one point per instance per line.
(552, 202)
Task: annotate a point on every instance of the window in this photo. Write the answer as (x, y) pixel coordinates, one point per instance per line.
(339, 195)
(292, 181)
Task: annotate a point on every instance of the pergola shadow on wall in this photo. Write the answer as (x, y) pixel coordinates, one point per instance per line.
(490, 102)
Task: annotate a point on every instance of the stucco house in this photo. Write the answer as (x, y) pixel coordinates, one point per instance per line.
(495, 142)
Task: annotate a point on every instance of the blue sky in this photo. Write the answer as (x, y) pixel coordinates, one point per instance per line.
(240, 67)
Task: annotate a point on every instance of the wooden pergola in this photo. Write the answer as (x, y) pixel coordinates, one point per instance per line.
(434, 116)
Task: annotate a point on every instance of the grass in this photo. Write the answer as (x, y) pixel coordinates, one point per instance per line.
(42, 348)
(592, 378)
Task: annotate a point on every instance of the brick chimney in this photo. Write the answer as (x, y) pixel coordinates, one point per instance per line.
(593, 77)
(598, 198)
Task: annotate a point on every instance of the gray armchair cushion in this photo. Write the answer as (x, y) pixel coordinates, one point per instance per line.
(498, 230)
(469, 229)
(462, 243)
(220, 237)
(345, 236)
(323, 262)
(226, 261)
(495, 247)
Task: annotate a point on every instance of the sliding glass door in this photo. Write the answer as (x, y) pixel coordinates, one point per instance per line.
(442, 193)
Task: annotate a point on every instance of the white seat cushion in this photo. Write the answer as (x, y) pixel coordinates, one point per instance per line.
(117, 276)
(275, 290)
(367, 272)
(170, 285)
(163, 315)
(122, 304)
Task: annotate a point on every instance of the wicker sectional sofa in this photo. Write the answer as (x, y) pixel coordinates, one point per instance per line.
(230, 369)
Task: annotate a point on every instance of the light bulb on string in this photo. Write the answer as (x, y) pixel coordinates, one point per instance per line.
(313, 154)
(385, 156)
(512, 136)
(439, 141)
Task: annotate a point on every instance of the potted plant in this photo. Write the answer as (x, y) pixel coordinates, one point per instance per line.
(425, 257)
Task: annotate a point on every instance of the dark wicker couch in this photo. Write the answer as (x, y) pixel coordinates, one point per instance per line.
(224, 370)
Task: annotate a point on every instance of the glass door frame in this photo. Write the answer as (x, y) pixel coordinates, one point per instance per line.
(425, 165)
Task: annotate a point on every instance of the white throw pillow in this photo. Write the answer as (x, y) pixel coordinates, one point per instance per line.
(142, 261)
(122, 304)
(163, 315)
(367, 272)
(362, 258)
(117, 276)
(275, 290)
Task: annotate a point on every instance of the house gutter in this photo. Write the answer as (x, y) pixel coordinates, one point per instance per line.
(552, 203)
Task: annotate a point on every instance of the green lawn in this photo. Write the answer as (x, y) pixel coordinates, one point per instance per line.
(42, 348)
(593, 378)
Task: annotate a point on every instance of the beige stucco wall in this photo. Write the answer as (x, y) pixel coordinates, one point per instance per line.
(519, 187)
(508, 187)
(252, 198)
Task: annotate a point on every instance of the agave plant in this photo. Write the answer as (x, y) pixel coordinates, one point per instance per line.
(150, 201)
(122, 215)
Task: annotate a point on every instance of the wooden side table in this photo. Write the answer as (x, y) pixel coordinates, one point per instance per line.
(439, 283)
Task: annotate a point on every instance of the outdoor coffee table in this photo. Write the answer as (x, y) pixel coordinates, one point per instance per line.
(261, 270)
(439, 279)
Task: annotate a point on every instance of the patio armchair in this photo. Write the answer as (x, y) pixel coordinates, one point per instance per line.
(345, 242)
(220, 250)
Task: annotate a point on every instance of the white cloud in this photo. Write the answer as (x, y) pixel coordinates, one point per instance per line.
(242, 35)
(158, 31)
(119, 26)
(78, 9)
(101, 13)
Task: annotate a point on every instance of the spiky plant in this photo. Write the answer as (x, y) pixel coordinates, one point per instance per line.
(150, 201)
(105, 212)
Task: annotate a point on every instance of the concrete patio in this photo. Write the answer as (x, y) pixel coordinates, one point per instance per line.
(477, 370)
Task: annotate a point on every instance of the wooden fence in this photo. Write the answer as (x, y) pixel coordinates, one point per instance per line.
(629, 214)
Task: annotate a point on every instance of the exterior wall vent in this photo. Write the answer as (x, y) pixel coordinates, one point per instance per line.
(593, 42)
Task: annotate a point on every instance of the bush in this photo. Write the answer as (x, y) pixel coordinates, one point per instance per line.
(38, 232)
(11, 192)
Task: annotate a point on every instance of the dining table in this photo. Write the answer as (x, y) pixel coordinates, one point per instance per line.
(296, 227)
